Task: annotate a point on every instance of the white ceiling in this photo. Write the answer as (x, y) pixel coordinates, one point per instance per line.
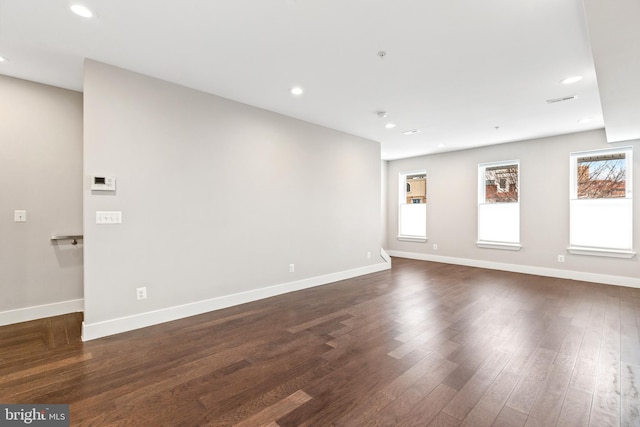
(464, 72)
(615, 40)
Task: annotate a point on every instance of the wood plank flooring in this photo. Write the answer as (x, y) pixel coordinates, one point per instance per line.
(424, 344)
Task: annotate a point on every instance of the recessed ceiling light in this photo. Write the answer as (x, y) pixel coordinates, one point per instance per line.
(572, 79)
(390, 125)
(297, 91)
(411, 132)
(82, 10)
(441, 145)
(585, 120)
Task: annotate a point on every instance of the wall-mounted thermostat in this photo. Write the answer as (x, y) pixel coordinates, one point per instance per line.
(103, 183)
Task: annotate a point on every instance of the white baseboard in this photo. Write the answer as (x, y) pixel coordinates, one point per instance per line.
(385, 256)
(606, 279)
(40, 311)
(96, 330)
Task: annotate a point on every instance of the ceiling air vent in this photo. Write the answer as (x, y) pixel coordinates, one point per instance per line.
(564, 98)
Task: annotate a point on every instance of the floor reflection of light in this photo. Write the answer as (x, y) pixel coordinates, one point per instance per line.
(418, 307)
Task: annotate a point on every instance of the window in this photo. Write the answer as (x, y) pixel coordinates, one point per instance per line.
(499, 205)
(412, 212)
(601, 220)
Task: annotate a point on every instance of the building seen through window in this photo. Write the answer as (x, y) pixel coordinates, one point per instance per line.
(501, 184)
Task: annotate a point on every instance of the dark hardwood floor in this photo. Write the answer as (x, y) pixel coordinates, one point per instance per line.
(423, 344)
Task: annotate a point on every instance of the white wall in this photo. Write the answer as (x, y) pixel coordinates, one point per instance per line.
(217, 199)
(544, 216)
(41, 172)
(383, 185)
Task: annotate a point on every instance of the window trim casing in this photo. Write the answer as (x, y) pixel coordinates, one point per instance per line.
(489, 244)
(625, 253)
(402, 178)
(573, 183)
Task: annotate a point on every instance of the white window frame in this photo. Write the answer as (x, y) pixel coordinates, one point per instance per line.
(415, 210)
(502, 211)
(583, 211)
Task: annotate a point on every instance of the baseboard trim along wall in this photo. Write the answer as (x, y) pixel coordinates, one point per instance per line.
(385, 256)
(35, 312)
(91, 331)
(606, 279)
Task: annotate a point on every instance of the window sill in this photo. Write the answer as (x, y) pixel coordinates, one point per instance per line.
(499, 245)
(610, 253)
(412, 239)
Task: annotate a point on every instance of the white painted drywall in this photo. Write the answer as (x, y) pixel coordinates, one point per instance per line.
(217, 197)
(383, 185)
(40, 172)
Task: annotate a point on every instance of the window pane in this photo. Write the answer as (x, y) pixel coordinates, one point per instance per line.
(601, 209)
(602, 223)
(416, 189)
(413, 220)
(499, 222)
(602, 177)
(501, 184)
(412, 208)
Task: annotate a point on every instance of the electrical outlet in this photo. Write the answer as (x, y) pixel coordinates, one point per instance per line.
(435, 246)
(368, 254)
(141, 293)
(292, 268)
(560, 258)
(20, 216)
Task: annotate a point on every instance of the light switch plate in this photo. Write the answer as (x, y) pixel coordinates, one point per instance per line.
(108, 217)
(20, 216)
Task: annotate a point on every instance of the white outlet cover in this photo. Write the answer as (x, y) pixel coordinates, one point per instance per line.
(20, 216)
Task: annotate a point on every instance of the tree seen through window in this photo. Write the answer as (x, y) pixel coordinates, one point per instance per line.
(602, 177)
